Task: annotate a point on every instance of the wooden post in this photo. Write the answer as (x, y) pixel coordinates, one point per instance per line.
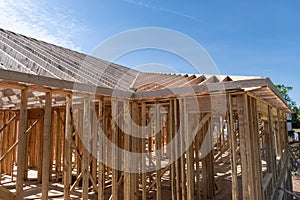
(232, 141)
(157, 151)
(115, 156)
(127, 158)
(278, 134)
(41, 125)
(245, 147)
(46, 145)
(144, 120)
(94, 142)
(101, 149)
(183, 152)
(208, 160)
(255, 148)
(135, 148)
(197, 158)
(171, 133)
(190, 152)
(68, 148)
(177, 150)
(57, 133)
(22, 144)
(271, 153)
(85, 139)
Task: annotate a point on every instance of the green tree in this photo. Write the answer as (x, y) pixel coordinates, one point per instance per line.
(296, 117)
(284, 90)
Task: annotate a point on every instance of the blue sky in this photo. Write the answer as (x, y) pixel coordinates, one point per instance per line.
(242, 37)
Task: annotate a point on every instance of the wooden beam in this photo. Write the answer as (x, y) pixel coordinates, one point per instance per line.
(127, 149)
(28, 131)
(213, 87)
(197, 161)
(177, 150)
(68, 148)
(233, 155)
(190, 152)
(22, 145)
(158, 151)
(172, 135)
(144, 124)
(255, 148)
(271, 153)
(115, 155)
(46, 146)
(101, 149)
(85, 139)
(7, 123)
(245, 147)
(43, 81)
(135, 148)
(183, 149)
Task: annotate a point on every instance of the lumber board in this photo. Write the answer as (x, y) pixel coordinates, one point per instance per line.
(171, 133)
(22, 145)
(183, 149)
(115, 156)
(190, 152)
(68, 148)
(43, 81)
(158, 151)
(101, 168)
(46, 146)
(144, 124)
(233, 155)
(127, 148)
(177, 149)
(85, 157)
(243, 147)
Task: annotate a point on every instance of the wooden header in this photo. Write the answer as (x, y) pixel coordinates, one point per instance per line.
(18, 80)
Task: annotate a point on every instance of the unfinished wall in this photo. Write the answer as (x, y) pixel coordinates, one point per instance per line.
(243, 145)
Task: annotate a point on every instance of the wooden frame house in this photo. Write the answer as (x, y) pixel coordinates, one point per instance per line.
(218, 136)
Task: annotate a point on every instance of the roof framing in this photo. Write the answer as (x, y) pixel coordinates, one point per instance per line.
(41, 67)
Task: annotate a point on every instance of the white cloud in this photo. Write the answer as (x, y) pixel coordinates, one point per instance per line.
(146, 5)
(35, 19)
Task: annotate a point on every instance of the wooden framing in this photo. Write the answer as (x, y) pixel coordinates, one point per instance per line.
(191, 177)
(62, 121)
(46, 146)
(68, 148)
(22, 145)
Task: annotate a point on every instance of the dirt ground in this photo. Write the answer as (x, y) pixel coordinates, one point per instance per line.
(295, 149)
(296, 184)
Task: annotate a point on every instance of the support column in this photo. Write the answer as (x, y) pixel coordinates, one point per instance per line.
(189, 153)
(101, 148)
(245, 148)
(255, 149)
(232, 140)
(115, 156)
(46, 146)
(171, 133)
(158, 151)
(22, 145)
(68, 148)
(144, 132)
(127, 157)
(270, 147)
(183, 152)
(135, 148)
(85, 156)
